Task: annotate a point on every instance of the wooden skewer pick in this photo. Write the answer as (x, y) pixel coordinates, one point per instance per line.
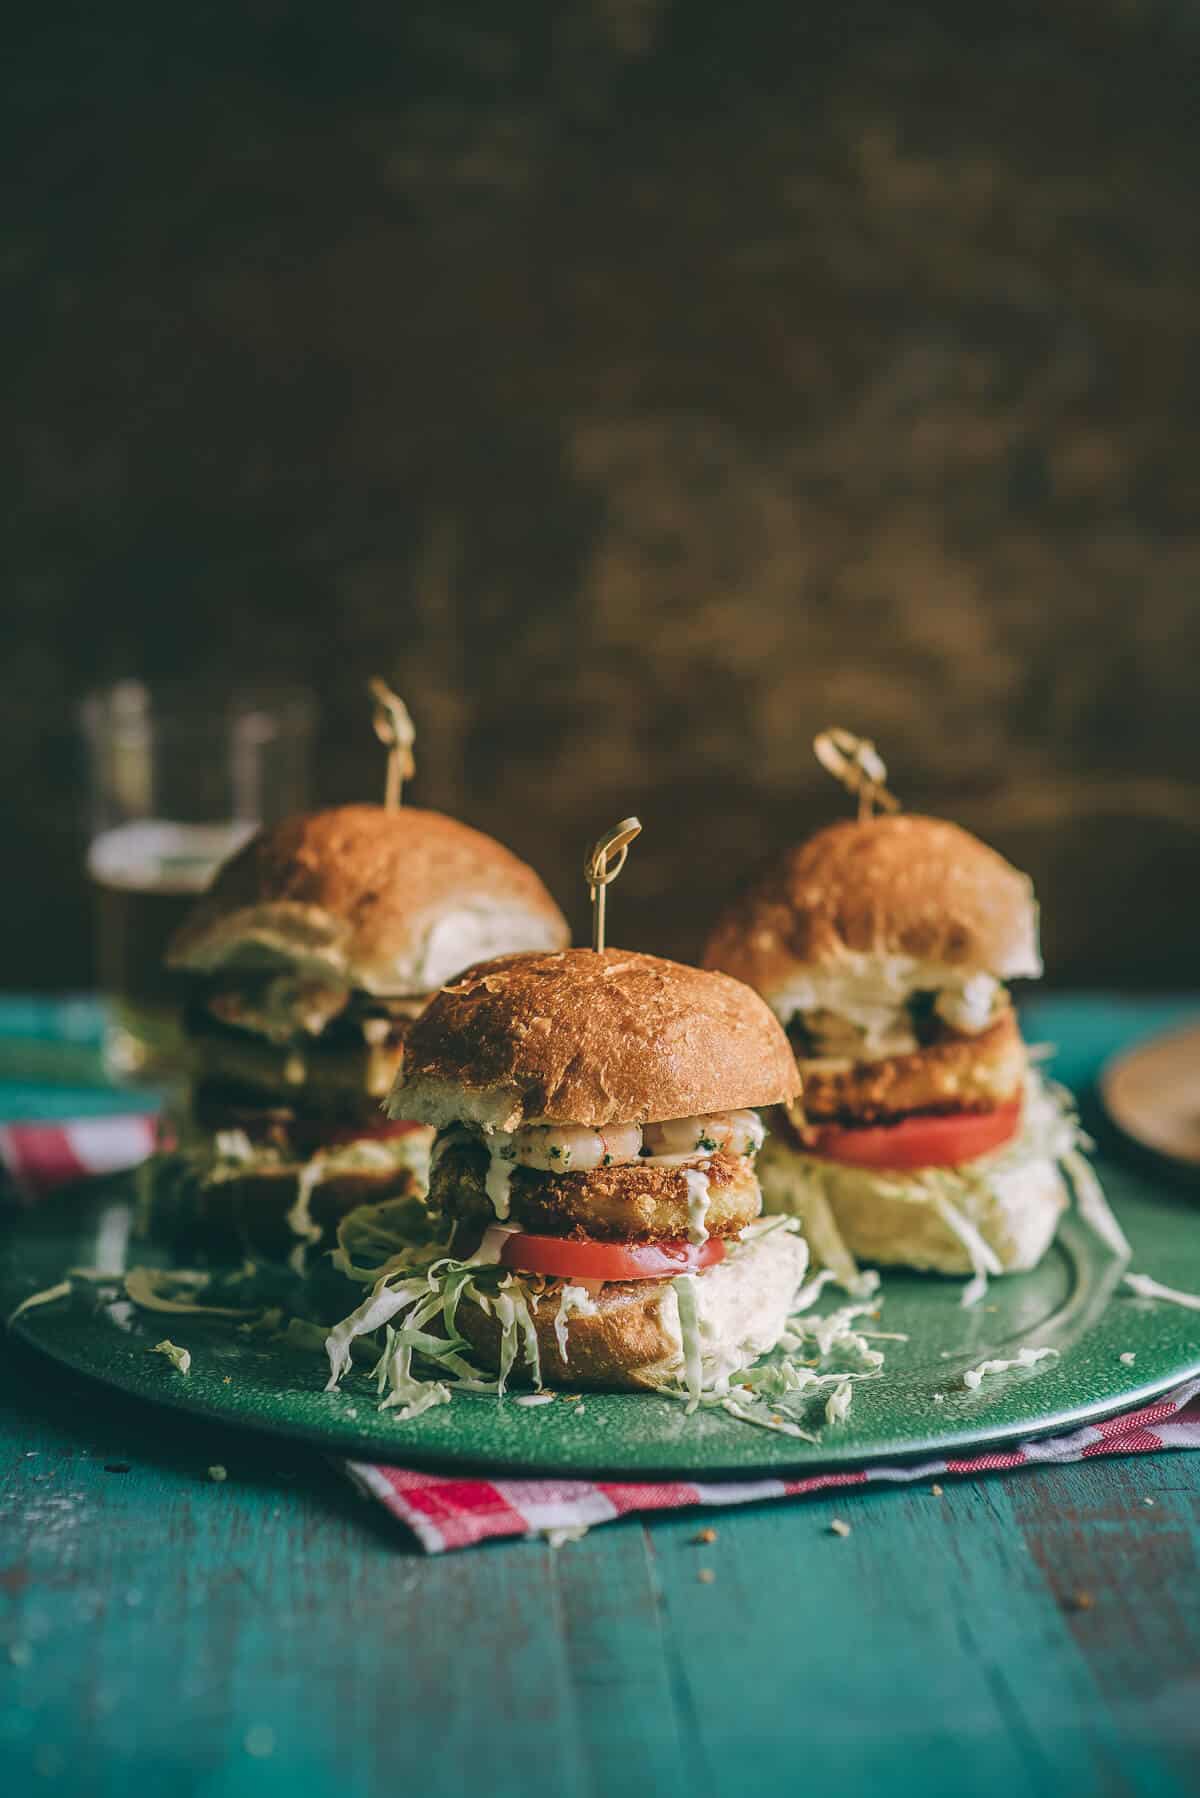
(598, 871)
(395, 728)
(857, 763)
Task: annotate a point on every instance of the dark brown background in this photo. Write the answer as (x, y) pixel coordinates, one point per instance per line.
(640, 387)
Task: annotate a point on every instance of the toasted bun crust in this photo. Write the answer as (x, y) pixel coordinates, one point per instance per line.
(890, 886)
(634, 1341)
(389, 901)
(587, 1038)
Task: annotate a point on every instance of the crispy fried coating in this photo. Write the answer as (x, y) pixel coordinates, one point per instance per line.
(955, 1073)
(642, 1202)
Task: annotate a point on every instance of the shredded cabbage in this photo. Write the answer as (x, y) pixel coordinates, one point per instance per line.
(783, 1390)
(573, 1301)
(1026, 1357)
(1146, 1288)
(422, 1282)
(180, 1358)
(48, 1296)
(418, 1284)
(689, 1330)
(837, 1406)
(144, 1285)
(300, 1220)
(983, 1258)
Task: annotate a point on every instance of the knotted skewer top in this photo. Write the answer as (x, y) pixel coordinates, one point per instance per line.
(396, 730)
(857, 763)
(605, 861)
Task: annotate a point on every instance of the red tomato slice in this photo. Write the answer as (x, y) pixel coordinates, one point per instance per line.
(565, 1259)
(916, 1142)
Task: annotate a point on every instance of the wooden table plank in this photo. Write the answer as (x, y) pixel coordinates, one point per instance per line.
(1125, 1537)
(157, 1627)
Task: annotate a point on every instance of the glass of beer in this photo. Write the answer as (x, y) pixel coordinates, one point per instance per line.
(180, 778)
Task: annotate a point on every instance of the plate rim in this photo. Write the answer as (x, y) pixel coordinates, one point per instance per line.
(38, 1330)
(411, 1453)
(1112, 1069)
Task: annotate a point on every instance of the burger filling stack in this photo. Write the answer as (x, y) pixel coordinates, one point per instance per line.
(307, 962)
(922, 1137)
(593, 1178)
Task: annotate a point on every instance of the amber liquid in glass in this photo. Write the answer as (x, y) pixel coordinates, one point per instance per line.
(147, 876)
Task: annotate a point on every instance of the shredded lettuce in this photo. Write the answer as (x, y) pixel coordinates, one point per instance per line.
(169, 1290)
(300, 1220)
(1026, 1357)
(573, 1301)
(371, 1236)
(149, 1288)
(808, 1376)
(983, 1258)
(398, 1387)
(837, 1406)
(180, 1358)
(1094, 1208)
(689, 1330)
(48, 1296)
(1146, 1288)
(418, 1285)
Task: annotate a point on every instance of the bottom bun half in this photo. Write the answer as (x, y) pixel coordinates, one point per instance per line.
(633, 1339)
(924, 1221)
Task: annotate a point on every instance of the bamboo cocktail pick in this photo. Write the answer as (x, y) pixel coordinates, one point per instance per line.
(396, 730)
(857, 763)
(603, 864)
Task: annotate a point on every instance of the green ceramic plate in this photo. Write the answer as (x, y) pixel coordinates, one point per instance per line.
(919, 1407)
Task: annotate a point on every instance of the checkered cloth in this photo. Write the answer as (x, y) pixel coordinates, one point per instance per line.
(38, 1158)
(446, 1511)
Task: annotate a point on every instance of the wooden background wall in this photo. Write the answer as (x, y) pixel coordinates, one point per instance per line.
(640, 386)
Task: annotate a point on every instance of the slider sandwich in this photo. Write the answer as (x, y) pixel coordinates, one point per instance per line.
(307, 961)
(594, 1178)
(922, 1138)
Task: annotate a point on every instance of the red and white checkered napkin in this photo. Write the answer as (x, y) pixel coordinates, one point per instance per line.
(40, 1157)
(446, 1511)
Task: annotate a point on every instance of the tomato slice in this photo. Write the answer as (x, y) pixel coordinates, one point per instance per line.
(564, 1258)
(916, 1142)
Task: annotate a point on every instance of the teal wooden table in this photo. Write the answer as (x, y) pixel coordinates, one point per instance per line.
(164, 1634)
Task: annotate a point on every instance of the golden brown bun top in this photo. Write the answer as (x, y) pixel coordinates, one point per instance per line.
(884, 887)
(587, 1038)
(389, 901)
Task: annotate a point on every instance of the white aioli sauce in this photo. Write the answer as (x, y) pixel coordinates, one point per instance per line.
(500, 1172)
(699, 1200)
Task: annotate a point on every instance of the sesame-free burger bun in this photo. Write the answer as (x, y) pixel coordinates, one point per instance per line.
(388, 901)
(633, 1340)
(590, 1038)
(895, 888)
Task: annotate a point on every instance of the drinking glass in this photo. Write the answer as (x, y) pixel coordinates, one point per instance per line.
(179, 778)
